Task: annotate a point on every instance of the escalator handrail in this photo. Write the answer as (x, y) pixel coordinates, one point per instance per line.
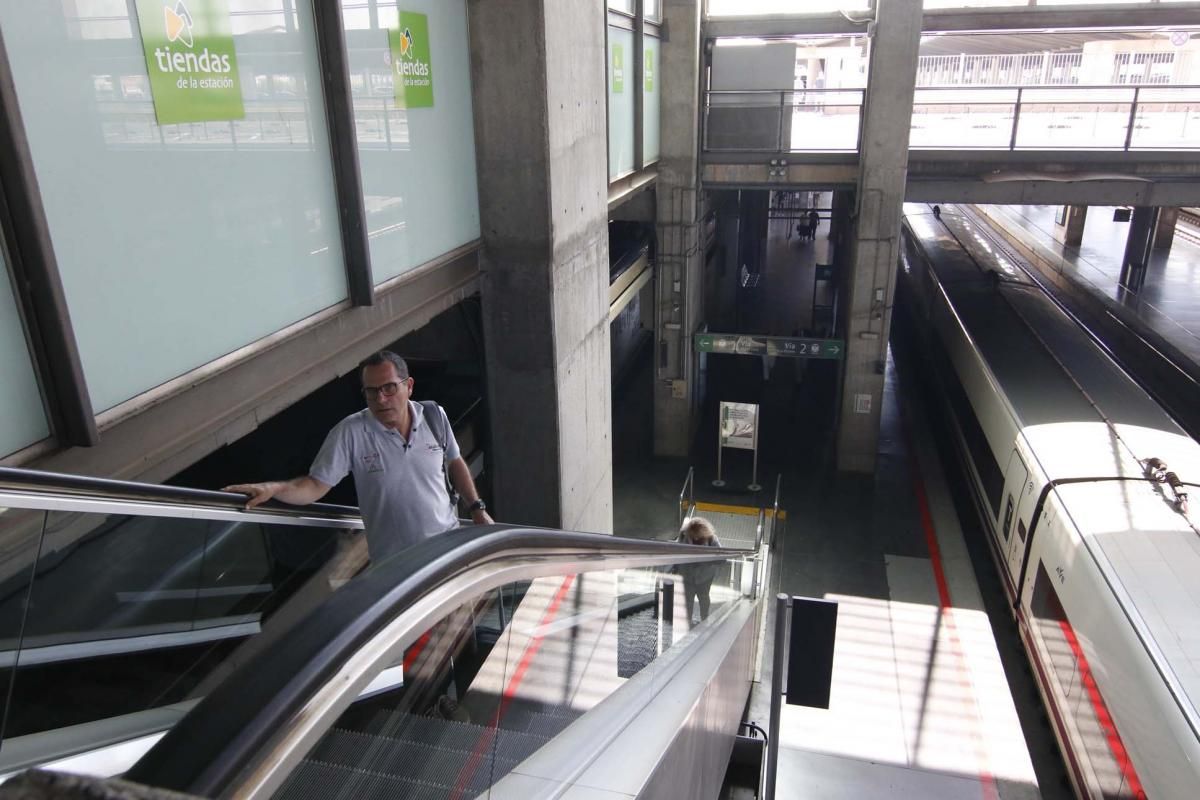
(31, 481)
(205, 753)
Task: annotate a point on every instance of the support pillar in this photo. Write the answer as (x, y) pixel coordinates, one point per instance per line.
(1137, 248)
(679, 278)
(1164, 231)
(875, 241)
(1070, 230)
(538, 78)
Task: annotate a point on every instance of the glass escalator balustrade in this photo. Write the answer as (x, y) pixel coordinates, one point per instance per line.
(112, 625)
(495, 681)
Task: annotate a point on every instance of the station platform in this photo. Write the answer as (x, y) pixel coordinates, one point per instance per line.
(1167, 305)
(929, 696)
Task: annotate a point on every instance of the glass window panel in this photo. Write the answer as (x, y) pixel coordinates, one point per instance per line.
(651, 98)
(621, 86)
(652, 9)
(24, 419)
(130, 613)
(417, 164)
(180, 243)
(621, 5)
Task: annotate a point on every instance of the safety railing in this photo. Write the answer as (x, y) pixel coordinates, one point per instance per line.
(687, 495)
(769, 121)
(775, 511)
(1117, 117)
(1057, 118)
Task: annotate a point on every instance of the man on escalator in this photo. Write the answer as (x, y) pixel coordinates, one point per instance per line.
(400, 453)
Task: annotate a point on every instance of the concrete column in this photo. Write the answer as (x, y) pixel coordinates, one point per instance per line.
(679, 279)
(875, 241)
(1164, 231)
(538, 77)
(1070, 232)
(1137, 248)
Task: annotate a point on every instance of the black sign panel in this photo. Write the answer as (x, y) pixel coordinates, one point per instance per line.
(810, 652)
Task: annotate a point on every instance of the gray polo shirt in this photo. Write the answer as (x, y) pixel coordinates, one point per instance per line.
(401, 491)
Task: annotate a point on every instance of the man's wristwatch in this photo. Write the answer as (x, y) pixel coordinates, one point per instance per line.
(478, 505)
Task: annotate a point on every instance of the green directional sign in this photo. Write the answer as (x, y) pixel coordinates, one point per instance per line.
(750, 345)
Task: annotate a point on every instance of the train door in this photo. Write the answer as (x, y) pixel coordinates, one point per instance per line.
(1012, 526)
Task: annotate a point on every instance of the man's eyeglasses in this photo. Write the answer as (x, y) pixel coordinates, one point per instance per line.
(386, 390)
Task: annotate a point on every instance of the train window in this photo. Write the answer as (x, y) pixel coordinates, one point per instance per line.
(1008, 515)
(978, 448)
(1021, 529)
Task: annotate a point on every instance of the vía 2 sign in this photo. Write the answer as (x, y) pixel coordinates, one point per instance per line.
(191, 60)
(412, 69)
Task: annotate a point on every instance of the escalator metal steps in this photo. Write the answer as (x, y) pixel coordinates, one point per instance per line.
(409, 756)
(314, 780)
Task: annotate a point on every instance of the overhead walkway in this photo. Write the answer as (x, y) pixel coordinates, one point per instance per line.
(225, 653)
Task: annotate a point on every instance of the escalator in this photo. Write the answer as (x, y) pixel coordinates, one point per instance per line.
(488, 661)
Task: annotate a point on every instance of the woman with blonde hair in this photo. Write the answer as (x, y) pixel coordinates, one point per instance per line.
(698, 578)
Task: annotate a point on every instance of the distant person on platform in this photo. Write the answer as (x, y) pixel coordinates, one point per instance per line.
(698, 578)
(814, 222)
(400, 453)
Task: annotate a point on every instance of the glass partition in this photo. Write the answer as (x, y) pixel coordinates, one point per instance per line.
(113, 625)
(177, 243)
(491, 684)
(621, 86)
(416, 156)
(21, 534)
(24, 419)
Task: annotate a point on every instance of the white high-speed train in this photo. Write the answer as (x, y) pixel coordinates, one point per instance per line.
(1081, 481)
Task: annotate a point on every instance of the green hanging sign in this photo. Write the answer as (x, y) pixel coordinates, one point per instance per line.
(649, 73)
(618, 69)
(412, 67)
(755, 345)
(191, 60)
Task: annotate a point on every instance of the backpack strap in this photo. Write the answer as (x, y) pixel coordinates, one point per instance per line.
(434, 412)
(437, 423)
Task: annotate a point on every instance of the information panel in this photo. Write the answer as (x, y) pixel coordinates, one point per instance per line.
(739, 425)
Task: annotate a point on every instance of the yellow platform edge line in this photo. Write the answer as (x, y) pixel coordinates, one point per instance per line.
(749, 511)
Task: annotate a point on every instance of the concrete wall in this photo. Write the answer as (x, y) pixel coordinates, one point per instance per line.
(679, 281)
(883, 172)
(538, 74)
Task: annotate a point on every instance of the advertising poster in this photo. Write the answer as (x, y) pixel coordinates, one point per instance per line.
(618, 69)
(412, 63)
(191, 60)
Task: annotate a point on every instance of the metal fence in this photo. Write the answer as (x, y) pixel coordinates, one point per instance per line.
(1112, 117)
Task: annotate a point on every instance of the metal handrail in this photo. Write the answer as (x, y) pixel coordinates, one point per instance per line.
(1016, 97)
(775, 510)
(689, 488)
(245, 735)
(37, 482)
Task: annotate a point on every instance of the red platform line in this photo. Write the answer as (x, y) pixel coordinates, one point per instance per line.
(986, 779)
(1100, 709)
(510, 691)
